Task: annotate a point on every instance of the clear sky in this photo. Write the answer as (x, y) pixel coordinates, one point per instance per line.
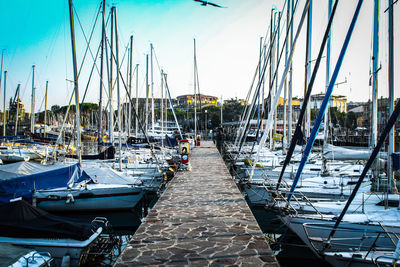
(37, 32)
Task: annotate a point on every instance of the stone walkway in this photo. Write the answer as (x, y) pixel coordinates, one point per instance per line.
(200, 220)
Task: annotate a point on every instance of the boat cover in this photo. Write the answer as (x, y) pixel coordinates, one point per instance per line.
(22, 168)
(340, 153)
(23, 186)
(25, 221)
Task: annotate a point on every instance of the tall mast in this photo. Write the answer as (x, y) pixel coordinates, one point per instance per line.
(152, 88)
(4, 104)
(391, 101)
(308, 67)
(194, 84)
(111, 113)
(118, 91)
(162, 107)
(45, 108)
(284, 139)
(375, 59)
(271, 70)
(290, 117)
(16, 118)
(1, 67)
(278, 20)
(328, 62)
(137, 101)
(259, 81)
(130, 86)
(147, 95)
(33, 101)
(76, 90)
(103, 39)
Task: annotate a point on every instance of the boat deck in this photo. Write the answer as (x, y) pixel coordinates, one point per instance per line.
(201, 219)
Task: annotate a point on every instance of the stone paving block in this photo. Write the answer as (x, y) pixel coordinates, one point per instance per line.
(200, 220)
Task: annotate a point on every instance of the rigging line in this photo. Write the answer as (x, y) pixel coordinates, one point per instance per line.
(90, 76)
(278, 92)
(385, 132)
(84, 35)
(277, 68)
(325, 101)
(297, 133)
(132, 103)
(120, 65)
(241, 141)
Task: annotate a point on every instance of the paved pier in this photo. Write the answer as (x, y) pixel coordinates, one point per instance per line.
(201, 219)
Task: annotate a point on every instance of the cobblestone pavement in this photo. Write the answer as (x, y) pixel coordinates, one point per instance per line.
(200, 220)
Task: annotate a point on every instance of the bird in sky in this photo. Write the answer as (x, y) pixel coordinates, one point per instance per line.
(204, 3)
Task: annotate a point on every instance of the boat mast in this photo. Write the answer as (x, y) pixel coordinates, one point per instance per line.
(147, 95)
(111, 112)
(284, 139)
(290, 117)
(194, 86)
(328, 62)
(152, 88)
(4, 104)
(375, 57)
(259, 81)
(278, 21)
(162, 107)
(308, 67)
(391, 104)
(103, 39)
(271, 66)
(137, 101)
(118, 91)
(45, 108)
(130, 86)
(76, 90)
(33, 101)
(16, 119)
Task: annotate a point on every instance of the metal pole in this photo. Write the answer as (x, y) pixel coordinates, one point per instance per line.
(16, 119)
(162, 108)
(391, 102)
(147, 95)
(45, 109)
(290, 111)
(194, 85)
(33, 101)
(152, 89)
(4, 104)
(308, 66)
(328, 62)
(1, 68)
(374, 121)
(76, 90)
(137, 102)
(111, 110)
(118, 92)
(100, 116)
(285, 89)
(130, 86)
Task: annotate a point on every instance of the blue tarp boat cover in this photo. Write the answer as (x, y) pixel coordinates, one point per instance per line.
(23, 186)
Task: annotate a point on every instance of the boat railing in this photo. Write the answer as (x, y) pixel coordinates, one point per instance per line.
(348, 238)
(299, 199)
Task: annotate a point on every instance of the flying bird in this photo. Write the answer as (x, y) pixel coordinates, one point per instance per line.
(204, 3)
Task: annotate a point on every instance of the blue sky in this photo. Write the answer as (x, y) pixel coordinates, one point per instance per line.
(37, 32)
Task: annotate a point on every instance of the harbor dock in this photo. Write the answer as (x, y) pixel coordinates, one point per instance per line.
(201, 219)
